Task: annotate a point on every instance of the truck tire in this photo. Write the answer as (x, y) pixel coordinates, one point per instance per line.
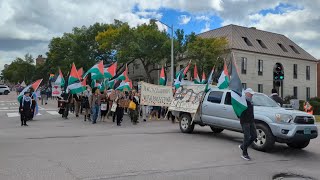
(6, 92)
(216, 130)
(265, 139)
(299, 144)
(185, 123)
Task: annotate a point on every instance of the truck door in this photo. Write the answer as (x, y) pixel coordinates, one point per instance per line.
(212, 107)
(229, 118)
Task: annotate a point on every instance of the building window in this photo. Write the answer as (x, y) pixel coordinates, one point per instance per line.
(260, 67)
(282, 47)
(294, 49)
(295, 92)
(260, 88)
(243, 65)
(308, 72)
(308, 93)
(246, 40)
(295, 71)
(244, 85)
(262, 44)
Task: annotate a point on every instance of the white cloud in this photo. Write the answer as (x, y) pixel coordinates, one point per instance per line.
(206, 27)
(202, 18)
(184, 19)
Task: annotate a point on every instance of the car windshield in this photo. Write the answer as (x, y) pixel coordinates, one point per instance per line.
(263, 100)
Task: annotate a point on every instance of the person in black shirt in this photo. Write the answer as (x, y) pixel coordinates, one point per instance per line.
(25, 108)
(248, 125)
(275, 96)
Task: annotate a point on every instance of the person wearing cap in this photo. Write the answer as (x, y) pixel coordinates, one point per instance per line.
(25, 108)
(248, 125)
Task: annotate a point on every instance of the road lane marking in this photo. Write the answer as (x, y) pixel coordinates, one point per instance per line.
(53, 112)
(4, 108)
(13, 114)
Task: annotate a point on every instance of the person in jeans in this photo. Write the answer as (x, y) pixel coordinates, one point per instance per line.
(248, 125)
(95, 104)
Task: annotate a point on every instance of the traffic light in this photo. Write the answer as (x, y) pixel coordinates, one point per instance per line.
(278, 72)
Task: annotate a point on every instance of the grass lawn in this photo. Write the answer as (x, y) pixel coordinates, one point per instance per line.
(317, 118)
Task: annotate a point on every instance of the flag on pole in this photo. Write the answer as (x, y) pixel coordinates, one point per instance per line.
(203, 79)
(124, 75)
(196, 78)
(125, 86)
(74, 84)
(110, 72)
(238, 99)
(162, 80)
(96, 71)
(223, 81)
(51, 77)
(209, 82)
(60, 79)
(34, 86)
(180, 75)
(84, 82)
(80, 72)
(111, 83)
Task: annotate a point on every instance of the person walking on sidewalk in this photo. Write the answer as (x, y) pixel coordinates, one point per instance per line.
(95, 104)
(248, 125)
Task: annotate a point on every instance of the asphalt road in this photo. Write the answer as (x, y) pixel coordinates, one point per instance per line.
(53, 148)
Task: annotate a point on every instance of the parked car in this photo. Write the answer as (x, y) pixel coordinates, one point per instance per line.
(273, 123)
(4, 89)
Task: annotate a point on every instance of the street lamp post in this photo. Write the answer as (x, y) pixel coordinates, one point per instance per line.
(172, 64)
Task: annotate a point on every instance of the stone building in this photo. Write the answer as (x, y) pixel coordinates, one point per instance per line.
(256, 53)
(40, 60)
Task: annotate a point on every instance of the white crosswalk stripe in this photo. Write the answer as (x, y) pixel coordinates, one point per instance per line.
(13, 114)
(53, 112)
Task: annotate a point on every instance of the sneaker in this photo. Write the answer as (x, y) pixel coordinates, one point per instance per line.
(246, 157)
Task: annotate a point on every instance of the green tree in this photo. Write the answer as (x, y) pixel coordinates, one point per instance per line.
(206, 52)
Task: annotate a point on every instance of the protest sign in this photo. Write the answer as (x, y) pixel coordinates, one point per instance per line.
(56, 90)
(187, 98)
(155, 95)
(124, 103)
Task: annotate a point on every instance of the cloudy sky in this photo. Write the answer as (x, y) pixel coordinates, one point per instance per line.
(28, 26)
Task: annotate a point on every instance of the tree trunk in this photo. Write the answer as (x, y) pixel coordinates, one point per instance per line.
(146, 68)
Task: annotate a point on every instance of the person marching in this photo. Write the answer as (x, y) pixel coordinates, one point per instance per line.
(77, 103)
(85, 103)
(104, 105)
(119, 110)
(25, 108)
(67, 97)
(134, 114)
(95, 104)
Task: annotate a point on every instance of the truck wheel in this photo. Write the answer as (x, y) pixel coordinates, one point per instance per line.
(185, 123)
(265, 139)
(6, 92)
(299, 144)
(216, 130)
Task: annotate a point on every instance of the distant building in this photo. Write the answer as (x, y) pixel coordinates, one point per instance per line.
(318, 79)
(257, 52)
(40, 60)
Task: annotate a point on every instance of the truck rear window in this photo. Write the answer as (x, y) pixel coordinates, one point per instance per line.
(215, 97)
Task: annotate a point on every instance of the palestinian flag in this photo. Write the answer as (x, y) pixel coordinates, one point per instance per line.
(196, 78)
(162, 80)
(125, 86)
(34, 86)
(60, 80)
(124, 75)
(223, 81)
(238, 99)
(203, 79)
(111, 83)
(209, 82)
(180, 75)
(96, 71)
(74, 84)
(80, 72)
(110, 72)
(84, 82)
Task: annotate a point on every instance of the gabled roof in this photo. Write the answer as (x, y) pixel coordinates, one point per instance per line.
(236, 34)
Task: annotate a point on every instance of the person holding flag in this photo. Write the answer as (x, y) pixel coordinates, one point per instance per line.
(25, 109)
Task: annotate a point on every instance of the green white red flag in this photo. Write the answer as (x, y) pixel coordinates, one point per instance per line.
(196, 78)
(60, 79)
(97, 71)
(74, 83)
(35, 85)
(110, 72)
(162, 80)
(223, 81)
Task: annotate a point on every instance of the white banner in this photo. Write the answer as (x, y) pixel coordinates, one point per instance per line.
(56, 90)
(187, 98)
(155, 95)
